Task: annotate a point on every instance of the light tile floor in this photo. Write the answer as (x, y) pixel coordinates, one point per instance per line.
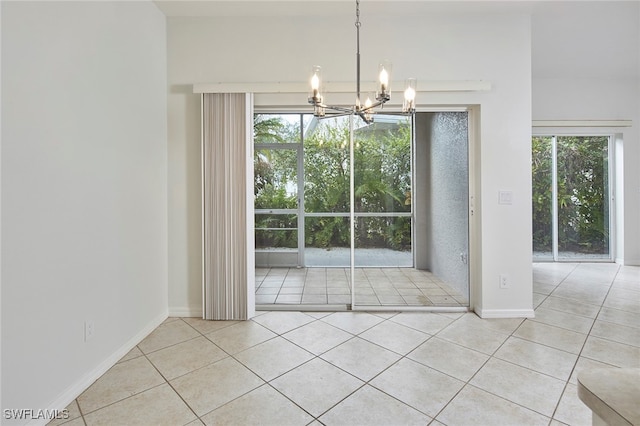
(347, 368)
(374, 287)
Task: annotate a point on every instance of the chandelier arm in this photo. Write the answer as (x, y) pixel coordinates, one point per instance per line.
(377, 104)
(365, 117)
(337, 108)
(338, 114)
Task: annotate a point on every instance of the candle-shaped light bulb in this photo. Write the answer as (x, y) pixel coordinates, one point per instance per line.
(368, 111)
(409, 104)
(384, 77)
(410, 94)
(384, 80)
(315, 97)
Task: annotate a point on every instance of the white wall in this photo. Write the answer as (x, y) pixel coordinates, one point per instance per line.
(486, 46)
(84, 220)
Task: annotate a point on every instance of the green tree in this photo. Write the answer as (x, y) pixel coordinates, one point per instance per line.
(541, 166)
(274, 176)
(583, 213)
(326, 190)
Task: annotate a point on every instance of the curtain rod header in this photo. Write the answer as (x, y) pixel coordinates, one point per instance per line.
(337, 87)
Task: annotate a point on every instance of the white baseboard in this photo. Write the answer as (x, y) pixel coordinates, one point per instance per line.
(186, 312)
(505, 313)
(630, 262)
(87, 380)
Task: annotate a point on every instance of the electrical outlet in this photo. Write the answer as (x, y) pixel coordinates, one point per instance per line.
(504, 281)
(89, 330)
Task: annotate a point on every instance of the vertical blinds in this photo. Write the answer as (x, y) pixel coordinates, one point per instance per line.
(227, 163)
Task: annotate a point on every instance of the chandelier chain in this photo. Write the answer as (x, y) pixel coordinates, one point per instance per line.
(358, 54)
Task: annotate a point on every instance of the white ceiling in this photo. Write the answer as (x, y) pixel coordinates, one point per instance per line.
(327, 7)
(574, 39)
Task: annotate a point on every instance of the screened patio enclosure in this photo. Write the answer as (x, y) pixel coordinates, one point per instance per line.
(304, 170)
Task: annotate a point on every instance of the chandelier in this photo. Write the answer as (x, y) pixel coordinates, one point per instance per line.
(363, 110)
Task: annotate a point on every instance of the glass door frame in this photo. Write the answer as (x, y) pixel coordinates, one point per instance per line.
(554, 196)
(473, 137)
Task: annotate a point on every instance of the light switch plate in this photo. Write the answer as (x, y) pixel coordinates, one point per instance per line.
(505, 197)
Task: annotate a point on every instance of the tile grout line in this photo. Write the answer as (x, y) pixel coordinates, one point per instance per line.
(143, 354)
(123, 399)
(368, 382)
(228, 355)
(174, 389)
(583, 345)
(314, 356)
(492, 356)
(441, 372)
(171, 385)
(468, 382)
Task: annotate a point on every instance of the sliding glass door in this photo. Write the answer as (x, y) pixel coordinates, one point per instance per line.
(335, 210)
(572, 218)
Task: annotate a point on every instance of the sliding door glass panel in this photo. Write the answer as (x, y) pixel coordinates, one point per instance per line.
(383, 211)
(382, 192)
(542, 179)
(583, 197)
(382, 181)
(276, 187)
(326, 192)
